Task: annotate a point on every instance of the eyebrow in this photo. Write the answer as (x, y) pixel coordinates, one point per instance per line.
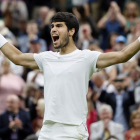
(56, 24)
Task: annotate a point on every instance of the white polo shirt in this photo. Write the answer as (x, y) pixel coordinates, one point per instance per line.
(66, 80)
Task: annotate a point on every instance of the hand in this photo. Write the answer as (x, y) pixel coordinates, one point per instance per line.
(18, 123)
(106, 121)
(115, 7)
(109, 12)
(12, 125)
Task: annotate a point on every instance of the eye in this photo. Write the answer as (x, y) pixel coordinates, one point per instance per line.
(52, 26)
(59, 25)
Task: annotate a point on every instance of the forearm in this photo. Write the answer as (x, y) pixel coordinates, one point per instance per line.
(33, 79)
(112, 58)
(11, 52)
(129, 51)
(102, 22)
(121, 19)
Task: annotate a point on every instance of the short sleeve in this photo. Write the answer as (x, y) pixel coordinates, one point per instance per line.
(92, 57)
(38, 59)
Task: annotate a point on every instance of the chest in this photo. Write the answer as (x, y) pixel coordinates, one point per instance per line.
(63, 68)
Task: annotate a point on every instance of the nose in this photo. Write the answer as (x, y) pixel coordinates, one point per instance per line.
(53, 29)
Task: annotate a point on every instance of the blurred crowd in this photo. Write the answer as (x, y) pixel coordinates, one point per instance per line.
(113, 97)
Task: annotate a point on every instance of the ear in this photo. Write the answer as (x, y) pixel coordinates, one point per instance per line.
(71, 32)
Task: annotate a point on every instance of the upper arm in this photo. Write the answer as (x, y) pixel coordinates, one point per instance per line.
(27, 60)
(108, 59)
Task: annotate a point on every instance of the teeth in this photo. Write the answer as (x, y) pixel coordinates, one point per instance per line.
(54, 35)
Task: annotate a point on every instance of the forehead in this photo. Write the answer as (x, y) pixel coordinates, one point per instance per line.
(32, 24)
(55, 23)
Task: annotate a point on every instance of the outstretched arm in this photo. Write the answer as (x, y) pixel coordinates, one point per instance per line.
(108, 59)
(17, 57)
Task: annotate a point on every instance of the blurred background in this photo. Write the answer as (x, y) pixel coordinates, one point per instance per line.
(113, 96)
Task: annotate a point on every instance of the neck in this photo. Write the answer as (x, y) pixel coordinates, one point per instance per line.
(15, 111)
(119, 92)
(137, 128)
(68, 49)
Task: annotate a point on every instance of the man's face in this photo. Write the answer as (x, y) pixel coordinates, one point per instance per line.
(118, 86)
(105, 115)
(12, 104)
(134, 75)
(59, 34)
(119, 46)
(32, 28)
(35, 47)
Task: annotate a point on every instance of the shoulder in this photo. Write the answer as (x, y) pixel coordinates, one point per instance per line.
(90, 54)
(117, 126)
(47, 53)
(5, 113)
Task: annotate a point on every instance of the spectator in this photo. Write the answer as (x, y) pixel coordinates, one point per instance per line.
(9, 83)
(21, 28)
(32, 33)
(45, 32)
(13, 12)
(38, 121)
(113, 21)
(120, 43)
(105, 128)
(43, 13)
(94, 47)
(94, 6)
(85, 37)
(120, 100)
(134, 132)
(29, 93)
(14, 123)
(131, 13)
(99, 83)
(7, 33)
(80, 9)
(82, 12)
(112, 41)
(32, 94)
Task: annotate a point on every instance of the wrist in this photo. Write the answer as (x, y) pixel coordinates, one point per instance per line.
(2, 41)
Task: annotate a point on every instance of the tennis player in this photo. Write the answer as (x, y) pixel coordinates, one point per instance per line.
(66, 76)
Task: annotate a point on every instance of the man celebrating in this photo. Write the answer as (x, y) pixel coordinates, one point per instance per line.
(66, 75)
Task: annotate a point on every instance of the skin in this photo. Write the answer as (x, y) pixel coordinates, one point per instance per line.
(104, 60)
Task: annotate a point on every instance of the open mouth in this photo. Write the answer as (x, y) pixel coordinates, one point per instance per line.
(55, 38)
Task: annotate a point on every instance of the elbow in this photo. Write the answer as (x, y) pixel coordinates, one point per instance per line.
(99, 26)
(16, 61)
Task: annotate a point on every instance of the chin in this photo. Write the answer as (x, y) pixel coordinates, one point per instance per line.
(57, 47)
